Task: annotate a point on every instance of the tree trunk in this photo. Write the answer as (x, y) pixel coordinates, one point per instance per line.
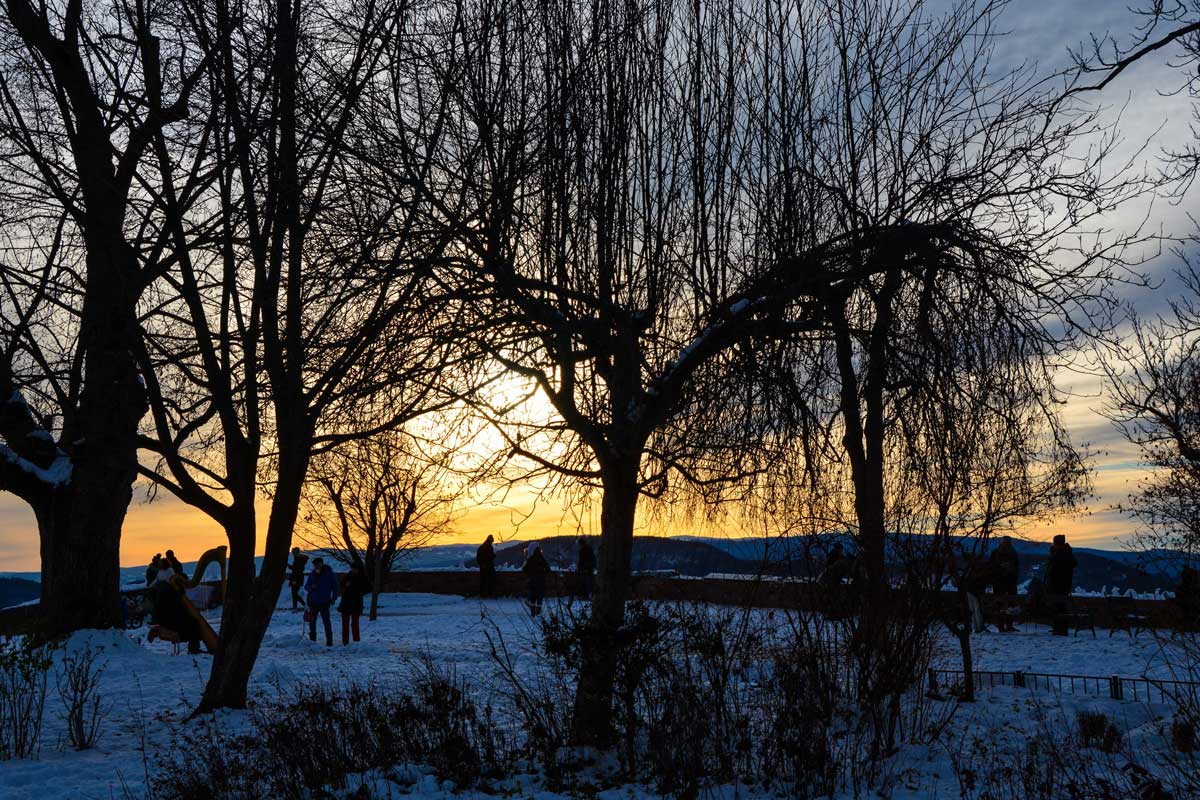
(80, 525)
(963, 632)
(250, 601)
(233, 661)
(597, 673)
(376, 586)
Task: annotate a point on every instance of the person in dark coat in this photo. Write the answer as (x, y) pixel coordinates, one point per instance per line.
(973, 575)
(1187, 598)
(834, 557)
(585, 570)
(485, 557)
(322, 588)
(296, 577)
(175, 565)
(152, 570)
(837, 566)
(1005, 566)
(1060, 569)
(536, 567)
(355, 587)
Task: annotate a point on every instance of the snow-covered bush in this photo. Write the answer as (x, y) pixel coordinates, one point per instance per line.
(306, 744)
(23, 668)
(709, 696)
(1180, 761)
(1041, 763)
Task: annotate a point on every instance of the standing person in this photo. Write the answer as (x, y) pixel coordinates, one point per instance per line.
(1060, 571)
(175, 565)
(835, 566)
(1187, 598)
(485, 557)
(152, 570)
(355, 587)
(1005, 566)
(296, 577)
(322, 590)
(585, 569)
(536, 567)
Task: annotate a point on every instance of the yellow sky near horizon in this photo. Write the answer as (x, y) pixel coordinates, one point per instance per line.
(167, 523)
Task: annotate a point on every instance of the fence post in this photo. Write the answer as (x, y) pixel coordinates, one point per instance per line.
(1114, 688)
(1019, 679)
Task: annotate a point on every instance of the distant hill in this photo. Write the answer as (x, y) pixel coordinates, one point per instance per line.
(15, 591)
(697, 556)
(650, 554)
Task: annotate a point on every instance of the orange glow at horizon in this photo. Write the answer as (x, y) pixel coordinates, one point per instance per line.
(169, 524)
(524, 513)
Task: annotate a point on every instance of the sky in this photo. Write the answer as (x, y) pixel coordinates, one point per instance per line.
(1039, 32)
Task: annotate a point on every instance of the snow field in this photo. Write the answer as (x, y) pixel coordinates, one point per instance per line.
(149, 692)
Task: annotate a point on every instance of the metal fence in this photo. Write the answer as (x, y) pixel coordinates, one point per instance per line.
(1146, 690)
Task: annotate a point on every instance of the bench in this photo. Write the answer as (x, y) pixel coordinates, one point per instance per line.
(1123, 615)
(1066, 616)
(1007, 608)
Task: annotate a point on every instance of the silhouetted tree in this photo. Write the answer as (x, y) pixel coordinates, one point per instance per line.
(1153, 373)
(1154, 381)
(697, 231)
(84, 90)
(371, 501)
(296, 316)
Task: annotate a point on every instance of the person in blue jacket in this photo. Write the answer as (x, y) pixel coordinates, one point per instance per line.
(322, 589)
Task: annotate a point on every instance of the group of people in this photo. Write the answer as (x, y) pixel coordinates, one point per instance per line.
(536, 568)
(162, 568)
(321, 588)
(165, 588)
(999, 570)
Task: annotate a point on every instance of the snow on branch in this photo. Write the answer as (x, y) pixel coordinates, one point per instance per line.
(30, 451)
(55, 476)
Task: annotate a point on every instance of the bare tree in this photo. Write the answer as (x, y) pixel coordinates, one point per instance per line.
(596, 165)
(981, 454)
(84, 89)
(1152, 374)
(296, 317)
(1154, 380)
(370, 502)
(699, 232)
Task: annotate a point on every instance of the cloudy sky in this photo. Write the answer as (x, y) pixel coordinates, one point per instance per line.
(1040, 32)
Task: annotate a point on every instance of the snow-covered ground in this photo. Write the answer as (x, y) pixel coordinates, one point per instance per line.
(150, 691)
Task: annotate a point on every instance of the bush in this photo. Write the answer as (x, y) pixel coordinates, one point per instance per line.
(300, 746)
(1044, 765)
(78, 684)
(708, 696)
(23, 668)
(1183, 735)
(1092, 727)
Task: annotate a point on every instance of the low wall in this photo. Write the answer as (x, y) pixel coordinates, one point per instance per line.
(758, 594)
(747, 592)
